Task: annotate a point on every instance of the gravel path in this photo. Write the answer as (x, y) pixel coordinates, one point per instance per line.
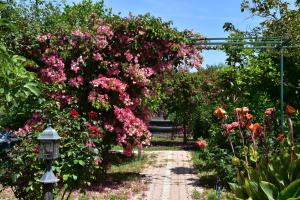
(170, 177)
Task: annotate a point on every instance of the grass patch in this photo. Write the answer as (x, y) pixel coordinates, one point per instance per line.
(196, 195)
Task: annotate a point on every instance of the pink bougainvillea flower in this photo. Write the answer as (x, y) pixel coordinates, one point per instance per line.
(202, 144)
(97, 57)
(76, 81)
(128, 55)
(74, 113)
(109, 84)
(219, 113)
(108, 127)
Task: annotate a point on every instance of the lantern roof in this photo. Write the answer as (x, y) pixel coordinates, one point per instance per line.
(49, 177)
(49, 134)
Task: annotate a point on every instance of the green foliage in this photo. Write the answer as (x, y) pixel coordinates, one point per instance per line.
(19, 90)
(280, 20)
(278, 179)
(22, 168)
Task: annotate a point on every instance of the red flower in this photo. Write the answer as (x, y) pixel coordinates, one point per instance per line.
(74, 113)
(93, 115)
(36, 149)
(202, 144)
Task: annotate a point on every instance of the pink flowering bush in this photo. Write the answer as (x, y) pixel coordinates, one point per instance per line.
(98, 79)
(100, 70)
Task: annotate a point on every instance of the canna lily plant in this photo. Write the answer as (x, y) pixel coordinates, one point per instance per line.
(272, 175)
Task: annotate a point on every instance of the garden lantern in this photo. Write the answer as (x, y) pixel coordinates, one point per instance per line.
(49, 150)
(49, 144)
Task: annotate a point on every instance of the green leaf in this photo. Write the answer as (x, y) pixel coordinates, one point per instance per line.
(75, 177)
(33, 88)
(66, 177)
(292, 190)
(254, 156)
(3, 6)
(8, 97)
(238, 190)
(81, 162)
(269, 189)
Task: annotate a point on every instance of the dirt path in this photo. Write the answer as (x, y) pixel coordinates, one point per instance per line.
(171, 177)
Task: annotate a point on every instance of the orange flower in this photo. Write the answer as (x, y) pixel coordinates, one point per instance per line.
(249, 117)
(289, 110)
(255, 129)
(245, 110)
(219, 113)
(238, 110)
(270, 111)
(280, 137)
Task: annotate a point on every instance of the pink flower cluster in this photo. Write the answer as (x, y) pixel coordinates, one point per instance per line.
(139, 75)
(76, 81)
(62, 97)
(106, 30)
(34, 120)
(54, 70)
(125, 99)
(202, 144)
(229, 128)
(109, 84)
(75, 65)
(119, 74)
(131, 125)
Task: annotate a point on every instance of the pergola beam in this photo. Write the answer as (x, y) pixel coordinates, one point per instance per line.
(257, 43)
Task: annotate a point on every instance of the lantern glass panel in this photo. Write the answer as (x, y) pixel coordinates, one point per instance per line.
(46, 148)
(56, 149)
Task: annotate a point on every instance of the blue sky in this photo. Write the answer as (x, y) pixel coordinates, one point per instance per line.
(206, 17)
